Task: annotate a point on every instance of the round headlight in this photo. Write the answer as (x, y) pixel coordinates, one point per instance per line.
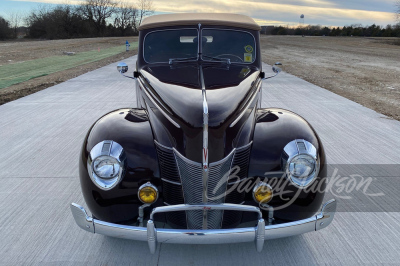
(302, 169)
(302, 166)
(262, 193)
(106, 167)
(106, 164)
(300, 161)
(148, 193)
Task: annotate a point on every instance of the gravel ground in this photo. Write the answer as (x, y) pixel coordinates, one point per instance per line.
(364, 70)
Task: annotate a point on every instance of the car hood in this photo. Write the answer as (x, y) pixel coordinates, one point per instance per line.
(179, 89)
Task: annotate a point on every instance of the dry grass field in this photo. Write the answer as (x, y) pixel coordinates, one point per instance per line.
(365, 70)
(35, 65)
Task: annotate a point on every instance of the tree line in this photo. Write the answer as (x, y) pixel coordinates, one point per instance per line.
(105, 18)
(352, 30)
(93, 18)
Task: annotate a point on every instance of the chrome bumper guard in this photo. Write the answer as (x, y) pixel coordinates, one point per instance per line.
(154, 235)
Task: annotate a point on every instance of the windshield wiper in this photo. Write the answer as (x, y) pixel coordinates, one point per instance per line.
(222, 60)
(191, 59)
(177, 60)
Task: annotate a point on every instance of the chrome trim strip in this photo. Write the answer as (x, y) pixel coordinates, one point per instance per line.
(205, 144)
(216, 236)
(141, 84)
(163, 146)
(188, 161)
(238, 181)
(171, 182)
(246, 107)
(224, 159)
(244, 147)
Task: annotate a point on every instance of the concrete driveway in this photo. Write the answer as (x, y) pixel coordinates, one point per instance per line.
(40, 139)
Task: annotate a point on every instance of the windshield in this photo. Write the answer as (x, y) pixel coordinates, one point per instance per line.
(161, 46)
(237, 46)
(182, 45)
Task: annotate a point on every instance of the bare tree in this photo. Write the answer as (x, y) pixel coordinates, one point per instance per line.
(15, 19)
(97, 12)
(125, 17)
(145, 8)
(4, 29)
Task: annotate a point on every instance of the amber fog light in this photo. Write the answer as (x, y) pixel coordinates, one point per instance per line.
(262, 193)
(148, 193)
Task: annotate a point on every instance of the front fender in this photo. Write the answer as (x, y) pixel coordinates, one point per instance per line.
(131, 129)
(274, 129)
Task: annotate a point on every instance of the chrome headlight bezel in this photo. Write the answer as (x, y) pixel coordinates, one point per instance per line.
(294, 150)
(106, 148)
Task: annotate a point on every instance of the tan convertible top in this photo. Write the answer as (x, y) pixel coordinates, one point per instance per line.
(218, 19)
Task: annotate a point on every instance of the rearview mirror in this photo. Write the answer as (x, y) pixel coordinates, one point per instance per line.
(122, 68)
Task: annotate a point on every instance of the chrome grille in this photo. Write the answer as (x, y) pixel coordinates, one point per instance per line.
(166, 160)
(190, 175)
(172, 188)
(241, 160)
(181, 174)
(216, 188)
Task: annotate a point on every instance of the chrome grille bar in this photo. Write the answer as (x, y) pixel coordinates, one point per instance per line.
(205, 146)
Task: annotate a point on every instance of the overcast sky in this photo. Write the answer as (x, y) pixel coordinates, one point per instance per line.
(271, 12)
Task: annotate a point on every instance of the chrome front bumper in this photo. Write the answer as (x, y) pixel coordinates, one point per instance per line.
(153, 235)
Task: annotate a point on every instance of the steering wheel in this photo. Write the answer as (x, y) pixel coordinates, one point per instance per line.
(232, 55)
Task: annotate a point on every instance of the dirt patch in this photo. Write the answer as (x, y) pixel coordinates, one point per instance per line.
(30, 50)
(364, 70)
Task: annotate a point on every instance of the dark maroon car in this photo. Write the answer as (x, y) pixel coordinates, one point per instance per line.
(198, 161)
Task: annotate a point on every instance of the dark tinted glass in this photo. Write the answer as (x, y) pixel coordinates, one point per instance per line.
(238, 46)
(160, 46)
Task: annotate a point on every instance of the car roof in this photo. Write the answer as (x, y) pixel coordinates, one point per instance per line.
(185, 19)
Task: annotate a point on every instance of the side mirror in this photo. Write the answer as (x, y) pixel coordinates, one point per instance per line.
(122, 68)
(136, 74)
(277, 69)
